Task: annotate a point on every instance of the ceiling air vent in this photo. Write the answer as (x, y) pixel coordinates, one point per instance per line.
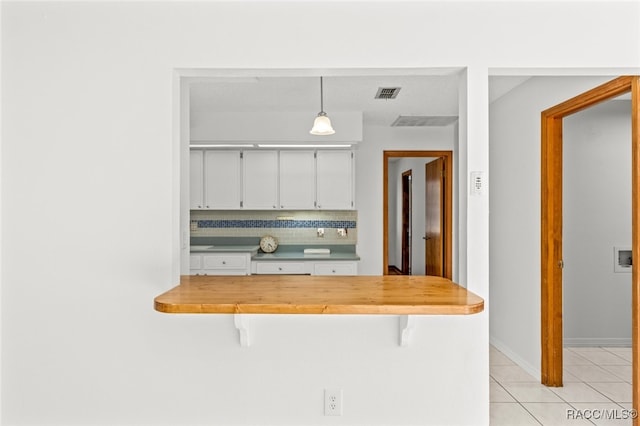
(387, 92)
(423, 120)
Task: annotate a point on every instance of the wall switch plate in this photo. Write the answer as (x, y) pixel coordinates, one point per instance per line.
(333, 402)
(478, 183)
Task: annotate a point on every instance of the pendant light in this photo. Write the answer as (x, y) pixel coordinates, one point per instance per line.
(322, 124)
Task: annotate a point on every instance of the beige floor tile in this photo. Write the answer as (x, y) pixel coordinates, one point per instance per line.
(603, 414)
(531, 392)
(510, 414)
(624, 353)
(568, 377)
(571, 358)
(552, 414)
(622, 371)
(579, 392)
(498, 394)
(604, 358)
(591, 373)
(617, 392)
(511, 373)
(498, 358)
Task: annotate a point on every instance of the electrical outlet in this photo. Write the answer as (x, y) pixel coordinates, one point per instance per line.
(320, 232)
(342, 232)
(333, 402)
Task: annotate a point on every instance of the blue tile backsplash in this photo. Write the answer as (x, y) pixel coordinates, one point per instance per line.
(262, 223)
(290, 227)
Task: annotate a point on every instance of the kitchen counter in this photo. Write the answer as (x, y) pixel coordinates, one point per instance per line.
(224, 248)
(299, 255)
(281, 294)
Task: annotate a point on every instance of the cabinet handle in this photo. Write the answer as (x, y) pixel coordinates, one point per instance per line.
(279, 269)
(333, 271)
(282, 207)
(274, 207)
(224, 262)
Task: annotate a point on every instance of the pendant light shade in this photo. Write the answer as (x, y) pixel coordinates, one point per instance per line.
(322, 124)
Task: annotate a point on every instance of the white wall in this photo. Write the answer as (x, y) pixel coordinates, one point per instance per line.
(515, 212)
(597, 218)
(369, 169)
(90, 209)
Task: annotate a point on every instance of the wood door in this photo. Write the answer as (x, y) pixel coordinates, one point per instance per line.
(406, 222)
(434, 222)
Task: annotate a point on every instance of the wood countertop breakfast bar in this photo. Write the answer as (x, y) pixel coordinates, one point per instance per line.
(303, 294)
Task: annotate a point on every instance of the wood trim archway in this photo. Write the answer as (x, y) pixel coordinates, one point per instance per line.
(551, 225)
(448, 205)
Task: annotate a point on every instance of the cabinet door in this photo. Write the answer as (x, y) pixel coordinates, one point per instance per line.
(195, 264)
(260, 179)
(334, 176)
(222, 188)
(196, 180)
(297, 180)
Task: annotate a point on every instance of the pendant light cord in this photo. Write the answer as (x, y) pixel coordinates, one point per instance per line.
(321, 97)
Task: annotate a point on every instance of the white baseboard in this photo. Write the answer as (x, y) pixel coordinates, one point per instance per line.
(577, 342)
(534, 371)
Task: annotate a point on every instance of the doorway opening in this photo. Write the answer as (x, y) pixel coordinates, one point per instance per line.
(407, 213)
(551, 225)
(436, 201)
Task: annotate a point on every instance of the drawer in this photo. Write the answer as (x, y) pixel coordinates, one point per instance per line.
(335, 268)
(225, 261)
(291, 268)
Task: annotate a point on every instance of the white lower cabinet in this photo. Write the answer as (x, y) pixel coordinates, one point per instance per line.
(305, 267)
(220, 264)
(285, 268)
(335, 268)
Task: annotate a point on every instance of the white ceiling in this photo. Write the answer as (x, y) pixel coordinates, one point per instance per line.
(420, 95)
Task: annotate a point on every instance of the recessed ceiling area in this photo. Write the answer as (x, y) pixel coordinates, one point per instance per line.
(429, 95)
(434, 94)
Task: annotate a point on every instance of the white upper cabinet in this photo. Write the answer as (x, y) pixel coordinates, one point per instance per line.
(222, 184)
(334, 180)
(196, 180)
(260, 180)
(297, 180)
(271, 179)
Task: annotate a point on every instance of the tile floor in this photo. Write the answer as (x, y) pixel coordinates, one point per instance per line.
(596, 391)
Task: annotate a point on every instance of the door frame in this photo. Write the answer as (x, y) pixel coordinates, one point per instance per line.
(551, 225)
(407, 212)
(448, 204)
